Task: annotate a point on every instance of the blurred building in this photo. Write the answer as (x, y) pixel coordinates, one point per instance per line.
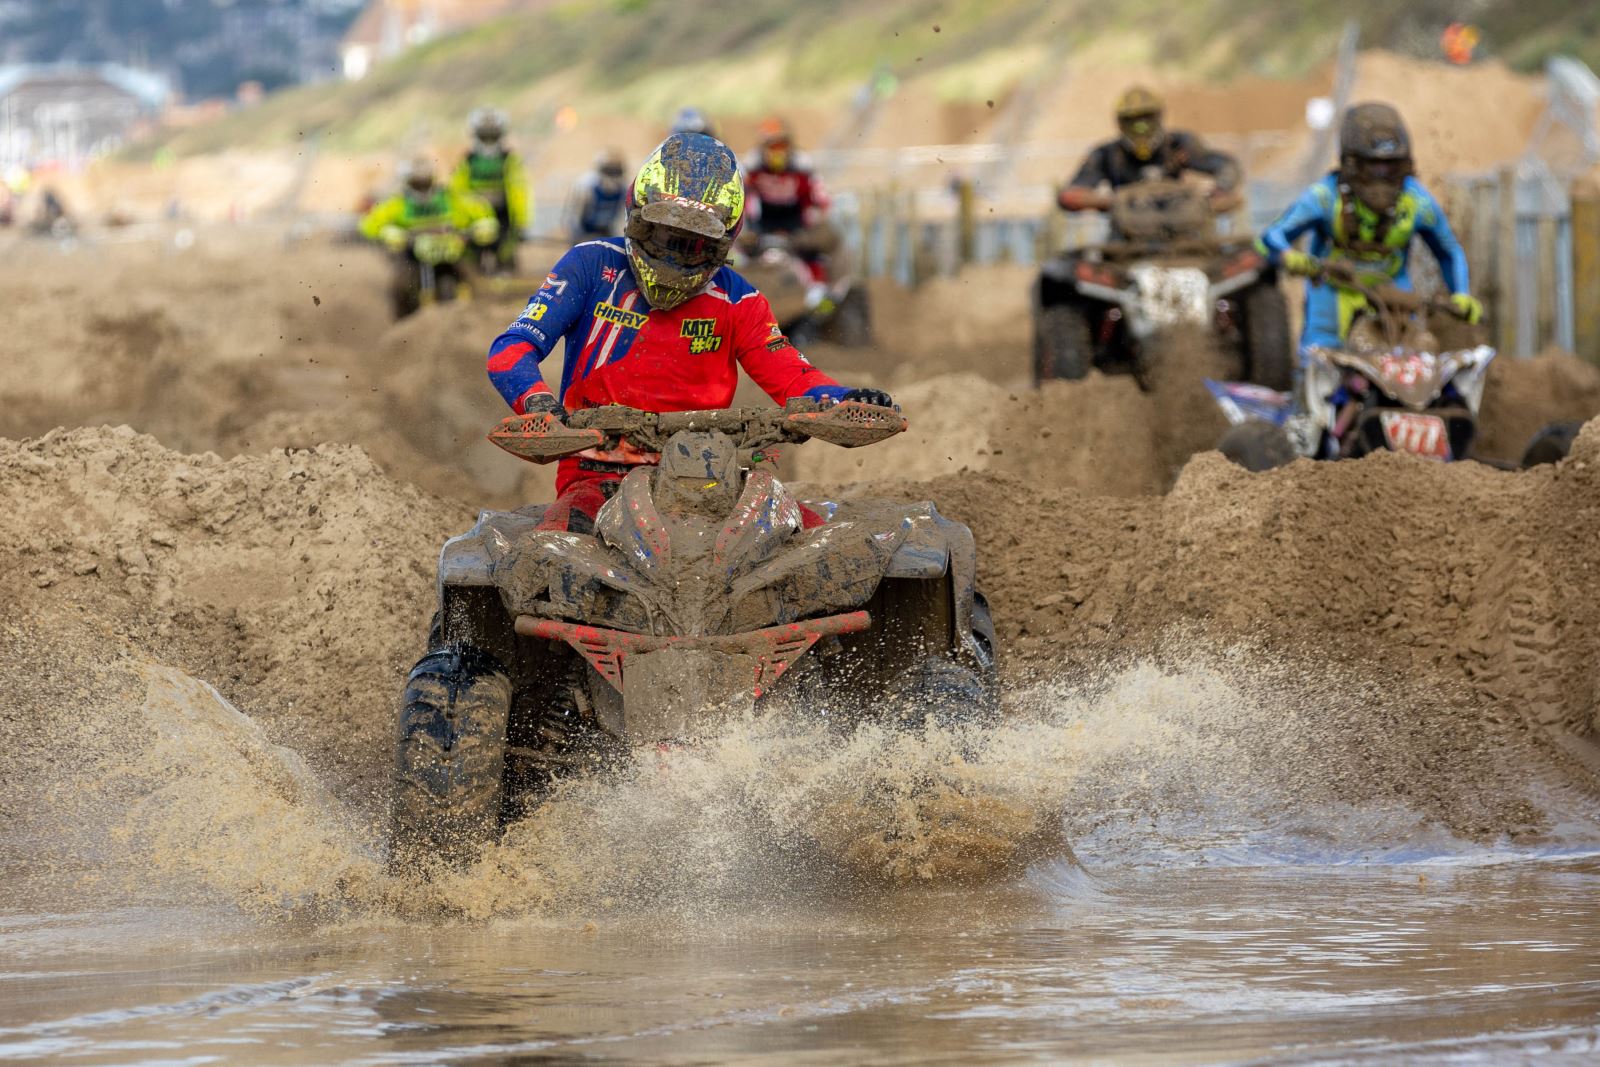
(385, 28)
(67, 113)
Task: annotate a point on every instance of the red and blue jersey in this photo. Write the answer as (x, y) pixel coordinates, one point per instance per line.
(620, 350)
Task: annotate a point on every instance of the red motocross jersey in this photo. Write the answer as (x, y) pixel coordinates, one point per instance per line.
(619, 350)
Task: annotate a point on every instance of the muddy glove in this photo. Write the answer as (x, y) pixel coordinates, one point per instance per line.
(543, 404)
(870, 396)
(484, 231)
(394, 238)
(1301, 264)
(1467, 306)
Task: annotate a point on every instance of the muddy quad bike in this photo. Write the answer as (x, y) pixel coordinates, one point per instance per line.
(836, 311)
(431, 269)
(1104, 306)
(705, 590)
(1392, 386)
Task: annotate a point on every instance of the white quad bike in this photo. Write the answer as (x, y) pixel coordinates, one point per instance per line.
(1391, 386)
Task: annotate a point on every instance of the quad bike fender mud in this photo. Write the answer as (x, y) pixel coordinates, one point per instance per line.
(468, 559)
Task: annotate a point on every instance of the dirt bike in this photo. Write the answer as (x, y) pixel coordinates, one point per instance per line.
(705, 591)
(430, 269)
(1391, 385)
(836, 310)
(1104, 307)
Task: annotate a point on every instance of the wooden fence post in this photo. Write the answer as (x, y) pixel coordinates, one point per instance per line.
(1506, 264)
(966, 238)
(1586, 270)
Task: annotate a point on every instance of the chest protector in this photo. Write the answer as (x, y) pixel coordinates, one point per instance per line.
(1379, 239)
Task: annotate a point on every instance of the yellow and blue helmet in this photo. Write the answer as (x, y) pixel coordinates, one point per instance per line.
(685, 208)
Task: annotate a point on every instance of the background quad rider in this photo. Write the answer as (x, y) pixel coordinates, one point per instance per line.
(493, 173)
(597, 199)
(422, 207)
(1145, 149)
(1366, 212)
(788, 199)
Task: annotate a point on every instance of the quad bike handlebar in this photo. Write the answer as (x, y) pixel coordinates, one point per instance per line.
(1386, 300)
(544, 438)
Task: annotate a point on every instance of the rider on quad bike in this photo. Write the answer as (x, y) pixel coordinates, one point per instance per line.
(788, 199)
(1144, 150)
(428, 227)
(673, 566)
(1166, 267)
(597, 199)
(1366, 212)
(493, 172)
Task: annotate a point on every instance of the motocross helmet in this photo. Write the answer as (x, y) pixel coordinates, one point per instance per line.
(777, 144)
(418, 176)
(684, 210)
(1374, 155)
(488, 126)
(691, 120)
(1139, 120)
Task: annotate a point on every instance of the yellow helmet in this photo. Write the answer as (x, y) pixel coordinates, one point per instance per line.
(1139, 119)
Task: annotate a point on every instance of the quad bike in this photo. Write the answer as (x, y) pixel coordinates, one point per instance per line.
(430, 269)
(1392, 386)
(807, 307)
(1103, 307)
(706, 591)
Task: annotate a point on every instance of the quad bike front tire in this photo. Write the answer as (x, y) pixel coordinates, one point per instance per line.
(946, 692)
(1269, 350)
(1257, 445)
(1551, 444)
(1063, 343)
(450, 757)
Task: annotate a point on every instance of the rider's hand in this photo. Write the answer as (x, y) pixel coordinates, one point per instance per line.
(870, 396)
(1302, 264)
(1467, 306)
(394, 237)
(543, 404)
(484, 231)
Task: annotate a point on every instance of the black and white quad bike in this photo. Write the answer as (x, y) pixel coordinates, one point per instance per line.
(1104, 307)
(705, 591)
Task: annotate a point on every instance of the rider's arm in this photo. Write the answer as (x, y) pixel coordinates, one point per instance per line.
(385, 213)
(515, 355)
(1312, 210)
(766, 354)
(1434, 229)
(1081, 193)
(816, 200)
(461, 178)
(1198, 156)
(519, 198)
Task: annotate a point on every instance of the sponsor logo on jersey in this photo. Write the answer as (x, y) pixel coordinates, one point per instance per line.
(702, 334)
(628, 320)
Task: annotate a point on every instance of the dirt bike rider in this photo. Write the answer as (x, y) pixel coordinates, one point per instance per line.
(1366, 211)
(789, 199)
(1146, 149)
(652, 320)
(597, 199)
(493, 172)
(424, 206)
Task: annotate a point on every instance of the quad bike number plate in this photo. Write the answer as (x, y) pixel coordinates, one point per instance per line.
(1420, 435)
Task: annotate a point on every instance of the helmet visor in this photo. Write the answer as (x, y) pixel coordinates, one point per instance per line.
(688, 252)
